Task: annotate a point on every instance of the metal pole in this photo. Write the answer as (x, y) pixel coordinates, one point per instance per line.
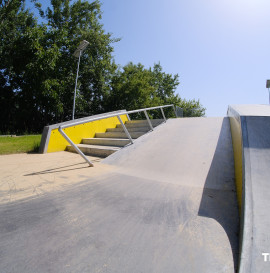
(149, 122)
(74, 99)
(174, 108)
(163, 114)
(75, 147)
(125, 129)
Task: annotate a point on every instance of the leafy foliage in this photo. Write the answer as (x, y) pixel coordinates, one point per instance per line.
(38, 70)
(135, 87)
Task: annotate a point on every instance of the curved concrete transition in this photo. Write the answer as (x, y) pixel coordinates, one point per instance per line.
(167, 204)
(188, 168)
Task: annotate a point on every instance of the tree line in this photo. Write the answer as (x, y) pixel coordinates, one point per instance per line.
(38, 70)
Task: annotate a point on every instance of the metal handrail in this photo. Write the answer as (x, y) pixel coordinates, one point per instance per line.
(117, 114)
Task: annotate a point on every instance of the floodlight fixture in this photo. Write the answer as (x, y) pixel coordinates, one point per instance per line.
(82, 46)
(78, 52)
(268, 86)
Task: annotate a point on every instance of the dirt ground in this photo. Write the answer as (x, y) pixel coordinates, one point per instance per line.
(32, 175)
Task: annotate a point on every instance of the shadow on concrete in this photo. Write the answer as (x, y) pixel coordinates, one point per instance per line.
(256, 132)
(219, 195)
(63, 168)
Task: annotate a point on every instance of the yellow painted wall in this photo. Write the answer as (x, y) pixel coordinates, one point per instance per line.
(237, 150)
(78, 132)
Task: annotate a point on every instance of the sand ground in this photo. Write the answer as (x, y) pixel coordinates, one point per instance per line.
(32, 175)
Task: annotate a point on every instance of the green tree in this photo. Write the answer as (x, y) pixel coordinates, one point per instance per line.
(134, 87)
(131, 89)
(15, 55)
(191, 108)
(38, 70)
(165, 84)
(68, 25)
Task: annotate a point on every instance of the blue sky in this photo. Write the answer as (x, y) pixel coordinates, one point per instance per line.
(220, 49)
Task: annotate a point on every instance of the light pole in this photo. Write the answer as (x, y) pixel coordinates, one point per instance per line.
(268, 86)
(77, 54)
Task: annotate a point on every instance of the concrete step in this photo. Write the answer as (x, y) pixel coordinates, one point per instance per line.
(116, 142)
(139, 124)
(94, 150)
(154, 121)
(104, 144)
(134, 125)
(118, 135)
(130, 129)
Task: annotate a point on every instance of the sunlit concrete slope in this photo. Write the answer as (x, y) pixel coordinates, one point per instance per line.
(251, 125)
(186, 168)
(167, 203)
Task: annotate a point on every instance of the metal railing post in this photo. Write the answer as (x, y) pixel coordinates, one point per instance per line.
(125, 129)
(60, 128)
(75, 147)
(74, 99)
(149, 122)
(174, 110)
(163, 114)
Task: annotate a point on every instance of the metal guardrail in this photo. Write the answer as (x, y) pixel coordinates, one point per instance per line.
(117, 114)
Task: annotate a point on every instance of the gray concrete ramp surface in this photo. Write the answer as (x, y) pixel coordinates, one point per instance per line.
(168, 204)
(257, 173)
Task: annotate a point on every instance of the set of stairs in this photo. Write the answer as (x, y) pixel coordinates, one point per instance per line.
(105, 144)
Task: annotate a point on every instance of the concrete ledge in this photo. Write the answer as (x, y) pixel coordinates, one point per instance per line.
(46, 134)
(250, 127)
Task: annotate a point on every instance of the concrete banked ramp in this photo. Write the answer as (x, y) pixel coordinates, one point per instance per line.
(168, 204)
(187, 196)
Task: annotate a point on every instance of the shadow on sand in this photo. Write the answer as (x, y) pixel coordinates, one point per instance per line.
(63, 168)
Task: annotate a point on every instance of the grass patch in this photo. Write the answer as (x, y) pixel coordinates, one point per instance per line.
(19, 144)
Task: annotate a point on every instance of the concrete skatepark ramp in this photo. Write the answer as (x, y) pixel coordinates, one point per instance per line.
(191, 162)
(167, 204)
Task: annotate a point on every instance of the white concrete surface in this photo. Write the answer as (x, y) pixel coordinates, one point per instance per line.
(252, 109)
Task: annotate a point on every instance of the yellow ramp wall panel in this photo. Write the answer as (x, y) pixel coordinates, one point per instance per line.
(77, 133)
(237, 150)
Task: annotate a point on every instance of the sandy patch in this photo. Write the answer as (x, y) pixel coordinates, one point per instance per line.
(32, 175)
